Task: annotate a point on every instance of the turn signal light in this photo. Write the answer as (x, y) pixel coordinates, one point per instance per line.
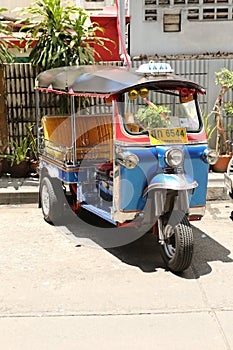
(144, 92)
(210, 156)
(133, 94)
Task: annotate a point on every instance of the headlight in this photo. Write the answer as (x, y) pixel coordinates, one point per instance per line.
(210, 156)
(127, 159)
(174, 157)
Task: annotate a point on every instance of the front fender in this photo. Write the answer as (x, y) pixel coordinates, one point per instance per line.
(170, 181)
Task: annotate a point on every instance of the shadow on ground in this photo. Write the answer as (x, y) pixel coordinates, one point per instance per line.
(139, 247)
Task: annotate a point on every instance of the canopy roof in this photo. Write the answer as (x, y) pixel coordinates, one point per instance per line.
(98, 80)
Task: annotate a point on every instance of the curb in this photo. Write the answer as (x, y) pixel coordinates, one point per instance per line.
(18, 191)
(216, 189)
(25, 191)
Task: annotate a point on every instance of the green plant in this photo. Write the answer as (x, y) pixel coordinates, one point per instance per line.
(32, 142)
(153, 117)
(19, 151)
(65, 36)
(209, 128)
(228, 109)
(224, 78)
(5, 54)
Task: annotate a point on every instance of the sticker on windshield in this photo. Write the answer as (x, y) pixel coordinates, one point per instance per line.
(163, 136)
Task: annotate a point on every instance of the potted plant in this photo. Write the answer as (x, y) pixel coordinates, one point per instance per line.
(224, 78)
(23, 157)
(153, 116)
(3, 164)
(19, 160)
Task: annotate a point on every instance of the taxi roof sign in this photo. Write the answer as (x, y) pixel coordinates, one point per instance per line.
(154, 68)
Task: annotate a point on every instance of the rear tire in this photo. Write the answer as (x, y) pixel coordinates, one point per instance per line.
(52, 199)
(177, 250)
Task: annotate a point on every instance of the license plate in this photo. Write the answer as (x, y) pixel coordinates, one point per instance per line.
(228, 182)
(164, 136)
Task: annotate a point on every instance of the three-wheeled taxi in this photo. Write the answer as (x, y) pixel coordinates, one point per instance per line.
(128, 146)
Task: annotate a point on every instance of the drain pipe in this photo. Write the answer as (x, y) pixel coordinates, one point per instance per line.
(120, 5)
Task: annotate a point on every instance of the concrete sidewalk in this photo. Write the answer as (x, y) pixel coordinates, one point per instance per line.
(25, 191)
(58, 294)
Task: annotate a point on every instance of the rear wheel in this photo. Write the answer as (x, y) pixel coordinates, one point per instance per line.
(177, 250)
(52, 199)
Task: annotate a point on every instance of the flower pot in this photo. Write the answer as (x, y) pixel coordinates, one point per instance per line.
(4, 166)
(222, 163)
(19, 170)
(33, 167)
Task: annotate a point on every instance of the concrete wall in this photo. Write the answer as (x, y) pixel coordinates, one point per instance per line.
(148, 37)
(12, 4)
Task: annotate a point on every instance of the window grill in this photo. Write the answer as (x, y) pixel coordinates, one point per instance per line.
(172, 23)
(151, 15)
(193, 14)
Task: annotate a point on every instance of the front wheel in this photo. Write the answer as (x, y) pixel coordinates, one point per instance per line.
(177, 248)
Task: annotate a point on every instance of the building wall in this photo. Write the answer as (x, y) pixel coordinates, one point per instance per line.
(11, 5)
(93, 4)
(167, 27)
(86, 4)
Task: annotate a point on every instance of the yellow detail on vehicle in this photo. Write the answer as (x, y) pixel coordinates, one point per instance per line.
(170, 136)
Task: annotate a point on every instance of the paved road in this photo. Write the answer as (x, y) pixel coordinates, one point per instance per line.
(59, 291)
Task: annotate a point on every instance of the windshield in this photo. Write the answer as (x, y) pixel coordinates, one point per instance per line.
(159, 110)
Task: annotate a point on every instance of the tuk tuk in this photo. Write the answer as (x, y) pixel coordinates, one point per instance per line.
(128, 146)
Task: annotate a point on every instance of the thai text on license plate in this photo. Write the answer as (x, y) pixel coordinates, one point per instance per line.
(163, 136)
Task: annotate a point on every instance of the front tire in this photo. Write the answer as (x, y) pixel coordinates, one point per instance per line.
(230, 173)
(52, 199)
(177, 250)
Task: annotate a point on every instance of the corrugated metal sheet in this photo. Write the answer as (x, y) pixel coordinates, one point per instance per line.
(20, 97)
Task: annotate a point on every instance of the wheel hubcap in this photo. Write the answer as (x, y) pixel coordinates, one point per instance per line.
(45, 200)
(169, 244)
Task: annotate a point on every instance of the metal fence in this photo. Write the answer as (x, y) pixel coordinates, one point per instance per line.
(20, 95)
(20, 98)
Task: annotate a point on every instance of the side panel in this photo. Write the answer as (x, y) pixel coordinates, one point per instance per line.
(67, 175)
(198, 169)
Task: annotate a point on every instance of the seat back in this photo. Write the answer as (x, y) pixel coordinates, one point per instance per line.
(93, 134)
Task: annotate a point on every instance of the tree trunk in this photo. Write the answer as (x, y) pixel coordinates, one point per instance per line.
(3, 115)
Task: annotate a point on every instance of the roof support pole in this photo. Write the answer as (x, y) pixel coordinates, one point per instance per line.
(73, 128)
(37, 119)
